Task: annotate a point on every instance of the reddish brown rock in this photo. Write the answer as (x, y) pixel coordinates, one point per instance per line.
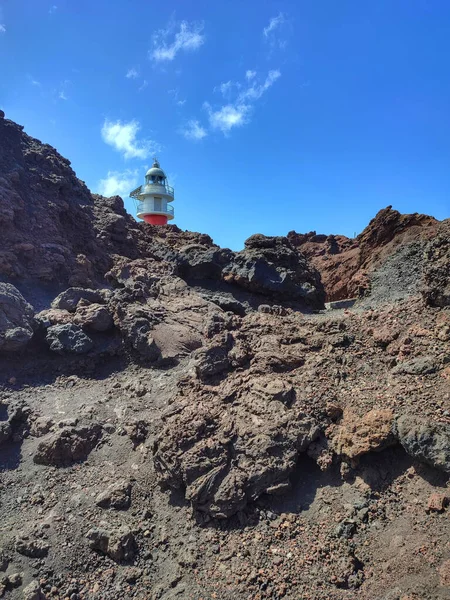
(360, 435)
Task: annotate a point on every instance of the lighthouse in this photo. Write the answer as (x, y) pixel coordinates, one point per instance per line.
(152, 199)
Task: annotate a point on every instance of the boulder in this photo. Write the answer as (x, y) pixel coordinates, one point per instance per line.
(196, 261)
(436, 290)
(425, 441)
(136, 323)
(224, 455)
(118, 543)
(33, 591)
(68, 338)
(359, 435)
(272, 266)
(94, 317)
(117, 495)
(16, 319)
(67, 446)
(69, 299)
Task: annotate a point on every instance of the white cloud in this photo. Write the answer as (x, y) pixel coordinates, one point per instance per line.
(143, 86)
(194, 131)
(118, 184)
(189, 37)
(52, 9)
(62, 95)
(238, 112)
(229, 116)
(274, 24)
(132, 73)
(175, 93)
(2, 28)
(226, 89)
(254, 92)
(34, 81)
(122, 137)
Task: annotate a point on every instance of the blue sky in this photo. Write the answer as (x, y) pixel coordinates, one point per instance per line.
(267, 116)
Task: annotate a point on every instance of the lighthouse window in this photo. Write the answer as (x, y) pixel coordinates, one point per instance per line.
(158, 204)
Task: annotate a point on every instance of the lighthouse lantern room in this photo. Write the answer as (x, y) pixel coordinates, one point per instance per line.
(152, 199)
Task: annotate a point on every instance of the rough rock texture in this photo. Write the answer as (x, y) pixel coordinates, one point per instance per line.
(272, 266)
(345, 265)
(306, 451)
(428, 442)
(437, 271)
(370, 433)
(68, 338)
(119, 544)
(67, 446)
(16, 319)
(227, 458)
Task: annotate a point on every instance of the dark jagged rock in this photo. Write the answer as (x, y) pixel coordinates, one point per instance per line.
(273, 267)
(424, 440)
(69, 299)
(16, 319)
(437, 270)
(68, 338)
(67, 446)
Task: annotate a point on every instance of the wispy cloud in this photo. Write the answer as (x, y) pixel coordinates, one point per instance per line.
(52, 9)
(132, 73)
(118, 184)
(276, 31)
(274, 23)
(175, 93)
(122, 136)
(255, 91)
(62, 92)
(194, 131)
(34, 81)
(238, 112)
(143, 85)
(227, 117)
(189, 37)
(2, 28)
(227, 88)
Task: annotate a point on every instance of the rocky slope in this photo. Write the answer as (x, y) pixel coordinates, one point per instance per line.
(346, 265)
(179, 420)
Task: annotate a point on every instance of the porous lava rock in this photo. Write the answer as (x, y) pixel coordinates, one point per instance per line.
(67, 446)
(69, 299)
(272, 266)
(68, 338)
(118, 543)
(224, 456)
(425, 441)
(359, 435)
(16, 319)
(437, 271)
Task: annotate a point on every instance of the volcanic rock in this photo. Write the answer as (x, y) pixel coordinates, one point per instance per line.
(359, 435)
(424, 440)
(272, 266)
(16, 319)
(118, 543)
(68, 338)
(67, 446)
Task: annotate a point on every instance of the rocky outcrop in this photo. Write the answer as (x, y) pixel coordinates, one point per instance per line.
(359, 435)
(16, 319)
(437, 270)
(426, 441)
(346, 265)
(271, 266)
(68, 338)
(67, 446)
(225, 455)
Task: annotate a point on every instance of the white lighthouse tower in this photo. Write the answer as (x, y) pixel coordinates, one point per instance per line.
(152, 199)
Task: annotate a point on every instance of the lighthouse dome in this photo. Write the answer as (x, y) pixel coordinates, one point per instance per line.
(155, 170)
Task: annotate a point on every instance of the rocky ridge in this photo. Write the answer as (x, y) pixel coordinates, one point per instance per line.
(182, 420)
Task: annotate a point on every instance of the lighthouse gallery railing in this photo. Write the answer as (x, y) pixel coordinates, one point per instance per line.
(151, 188)
(169, 210)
